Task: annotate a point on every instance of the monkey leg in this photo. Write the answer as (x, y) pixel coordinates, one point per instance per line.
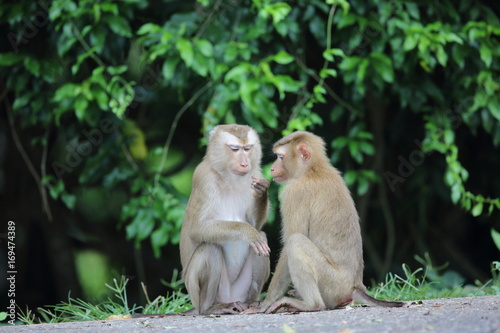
(244, 283)
(202, 276)
(320, 284)
(209, 287)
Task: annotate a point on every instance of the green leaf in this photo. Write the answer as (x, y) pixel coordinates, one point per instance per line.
(21, 101)
(410, 43)
(319, 91)
(486, 54)
(442, 57)
(347, 20)
(81, 104)
(9, 59)
(247, 87)
(382, 64)
(159, 238)
(69, 200)
(336, 113)
(328, 54)
(101, 97)
(494, 107)
(412, 9)
(325, 72)
(282, 58)
(367, 148)
(81, 58)
(169, 67)
(65, 45)
(496, 238)
(278, 11)
(230, 53)
(237, 73)
(200, 64)
(478, 209)
(149, 28)
(117, 70)
(33, 66)
(205, 47)
(456, 192)
(186, 51)
(109, 7)
(340, 142)
(65, 91)
(119, 25)
(350, 177)
(286, 83)
(361, 73)
(146, 225)
(349, 63)
(363, 186)
(97, 12)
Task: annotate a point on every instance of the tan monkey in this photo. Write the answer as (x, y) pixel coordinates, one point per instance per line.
(224, 254)
(322, 251)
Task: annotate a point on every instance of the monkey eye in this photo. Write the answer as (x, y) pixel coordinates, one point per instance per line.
(247, 148)
(280, 156)
(234, 148)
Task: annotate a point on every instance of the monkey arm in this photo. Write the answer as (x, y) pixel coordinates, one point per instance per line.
(217, 231)
(259, 211)
(279, 283)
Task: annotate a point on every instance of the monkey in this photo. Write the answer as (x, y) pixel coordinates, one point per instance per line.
(224, 253)
(322, 246)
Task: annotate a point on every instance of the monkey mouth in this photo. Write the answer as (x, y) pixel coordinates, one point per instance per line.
(240, 173)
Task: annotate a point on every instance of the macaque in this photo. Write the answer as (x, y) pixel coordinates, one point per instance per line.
(322, 251)
(224, 255)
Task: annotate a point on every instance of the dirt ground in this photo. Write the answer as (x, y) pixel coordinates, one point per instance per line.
(469, 314)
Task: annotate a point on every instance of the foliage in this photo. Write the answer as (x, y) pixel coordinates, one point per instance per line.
(80, 310)
(428, 282)
(333, 64)
(425, 282)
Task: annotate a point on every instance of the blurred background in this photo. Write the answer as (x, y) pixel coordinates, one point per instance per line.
(104, 108)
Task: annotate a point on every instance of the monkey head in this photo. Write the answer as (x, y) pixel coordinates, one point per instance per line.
(296, 153)
(235, 149)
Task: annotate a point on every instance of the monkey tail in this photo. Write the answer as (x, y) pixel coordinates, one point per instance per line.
(360, 295)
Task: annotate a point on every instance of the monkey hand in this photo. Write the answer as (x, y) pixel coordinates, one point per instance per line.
(260, 186)
(259, 244)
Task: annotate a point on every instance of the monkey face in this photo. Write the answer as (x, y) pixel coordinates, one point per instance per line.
(291, 162)
(278, 169)
(234, 149)
(240, 161)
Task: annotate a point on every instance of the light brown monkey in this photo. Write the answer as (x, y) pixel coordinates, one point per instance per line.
(224, 254)
(322, 251)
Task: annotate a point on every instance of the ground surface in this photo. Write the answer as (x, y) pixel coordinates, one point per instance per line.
(470, 314)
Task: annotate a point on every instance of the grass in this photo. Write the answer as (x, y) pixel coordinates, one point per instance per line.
(76, 309)
(426, 282)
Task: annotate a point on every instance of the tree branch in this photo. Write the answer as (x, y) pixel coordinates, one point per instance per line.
(27, 160)
(174, 126)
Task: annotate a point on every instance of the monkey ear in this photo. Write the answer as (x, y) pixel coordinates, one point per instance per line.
(305, 152)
